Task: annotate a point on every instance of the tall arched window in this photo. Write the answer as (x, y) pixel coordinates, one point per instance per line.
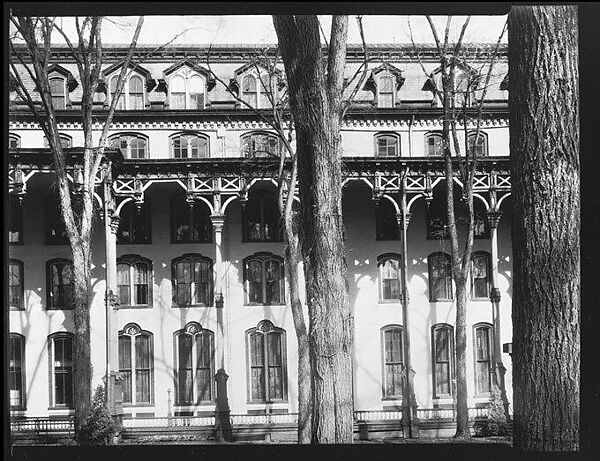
(136, 365)
(177, 92)
(440, 277)
(194, 356)
(134, 281)
(260, 216)
(480, 148)
(264, 279)
(15, 285)
(59, 283)
(434, 146)
(56, 233)
(189, 145)
(60, 355)
(387, 145)
(132, 96)
(267, 374)
(443, 367)
(393, 360)
(192, 280)
(16, 371)
(249, 91)
(386, 223)
(260, 145)
(58, 92)
(390, 284)
(385, 91)
(134, 224)
(483, 334)
(132, 145)
(15, 220)
(190, 222)
(480, 278)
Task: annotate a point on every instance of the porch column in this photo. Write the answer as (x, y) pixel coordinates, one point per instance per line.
(222, 413)
(113, 378)
(410, 420)
(499, 369)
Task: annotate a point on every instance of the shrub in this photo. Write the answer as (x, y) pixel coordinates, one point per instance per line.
(99, 428)
(496, 420)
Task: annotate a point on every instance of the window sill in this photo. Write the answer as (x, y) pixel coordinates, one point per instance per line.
(16, 309)
(392, 399)
(174, 242)
(264, 305)
(61, 407)
(191, 306)
(393, 303)
(59, 308)
(267, 402)
(189, 407)
(441, 300)
(480, 299)
(134, 306)
(138, 405)
(134, 243)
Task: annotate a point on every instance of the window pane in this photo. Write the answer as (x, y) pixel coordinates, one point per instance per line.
(123, 271)
(15, 371)
(143, 361)
(125, 365)
(185, 384)
(196, 93)
(177, 100)
(57, 91)
(15, 287)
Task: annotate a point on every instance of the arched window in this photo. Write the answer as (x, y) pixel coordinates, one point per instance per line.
(387, 145)
(58, 92)
(443, 367)
(134, 281)
(134, 224)
(392, 339)
(194, 356)
(249, 91)
(15, 285)
(434, 145)
(440, 277)
(260, 217)
(385, 91)
(192, 280)
(264, 279)
(390, 284)
(483, 335)
(386, 223)
(132, 96)
(267, 374)
(481, 147)
(65, 140)
(15, 220)
(59, 283)
(60, 355)
(186, 93)
(14, 141)
(56, 233)
(113, 90)
(16, 371)
(132, 145)
(136, 365)
(480, 278)
(260, 145)
(190, 222)
(189, 145)
(177, 92)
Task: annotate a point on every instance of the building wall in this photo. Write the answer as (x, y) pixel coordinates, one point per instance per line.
(370, 315)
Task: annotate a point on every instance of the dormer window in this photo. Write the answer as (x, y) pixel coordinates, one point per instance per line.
(58, 92)
(132, 96)
(249, 90)
(187, 92)
(385, 91)
(478, 144)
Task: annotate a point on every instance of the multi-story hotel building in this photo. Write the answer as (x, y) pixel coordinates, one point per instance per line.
(192, 234)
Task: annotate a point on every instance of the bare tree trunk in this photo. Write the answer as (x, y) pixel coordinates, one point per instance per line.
(316, 106)
(82, 368)
(544, 145)
(462, 409)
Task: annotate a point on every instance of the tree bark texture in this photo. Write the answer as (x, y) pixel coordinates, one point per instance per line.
(544, 145)
(462, 408)
(316, 104)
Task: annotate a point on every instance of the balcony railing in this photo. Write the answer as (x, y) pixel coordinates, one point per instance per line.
(46, 425)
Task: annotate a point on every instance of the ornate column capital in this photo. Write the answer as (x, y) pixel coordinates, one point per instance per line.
(495, 295)
(403, 218)
(218, 221)
(493, 218)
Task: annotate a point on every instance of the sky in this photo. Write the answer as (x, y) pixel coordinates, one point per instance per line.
(259, 29)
